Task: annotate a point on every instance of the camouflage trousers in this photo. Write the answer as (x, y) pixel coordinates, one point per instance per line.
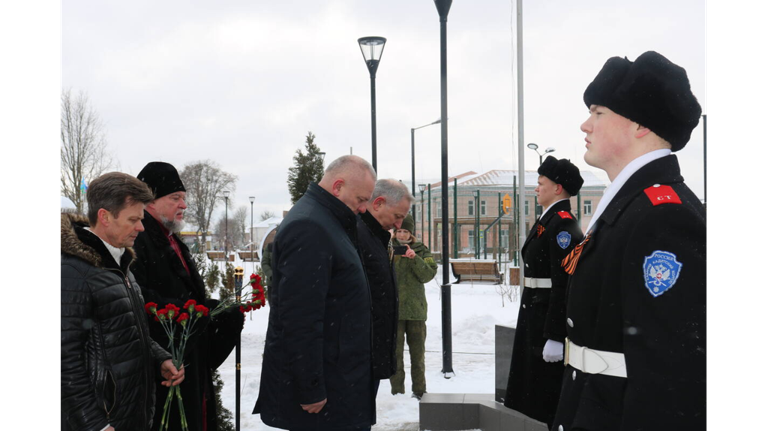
(415, 332)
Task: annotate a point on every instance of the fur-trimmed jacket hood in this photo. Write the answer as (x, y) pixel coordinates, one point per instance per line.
(78, 242)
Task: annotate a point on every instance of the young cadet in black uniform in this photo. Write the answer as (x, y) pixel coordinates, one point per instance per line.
(635, 352)
(536, 372)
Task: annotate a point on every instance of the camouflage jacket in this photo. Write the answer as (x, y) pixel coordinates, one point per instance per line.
(411, 276)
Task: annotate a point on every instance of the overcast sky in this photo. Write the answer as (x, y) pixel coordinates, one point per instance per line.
(242, 82)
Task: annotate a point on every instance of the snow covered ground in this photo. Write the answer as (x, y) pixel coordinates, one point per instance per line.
(476, 309)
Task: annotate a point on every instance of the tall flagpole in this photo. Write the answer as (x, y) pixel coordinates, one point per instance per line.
(520, 137)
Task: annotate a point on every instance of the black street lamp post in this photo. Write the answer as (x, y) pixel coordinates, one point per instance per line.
(372, 47)
(226, 227)
(443, 7)
(421, 189)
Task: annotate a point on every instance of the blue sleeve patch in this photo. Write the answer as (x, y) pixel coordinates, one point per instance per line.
(661, 271)
(563, 239)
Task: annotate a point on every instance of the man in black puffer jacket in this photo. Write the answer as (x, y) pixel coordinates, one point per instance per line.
(109, 362)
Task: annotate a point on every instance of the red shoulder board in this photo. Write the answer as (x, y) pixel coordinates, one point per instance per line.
(662, 195)
(564, 214)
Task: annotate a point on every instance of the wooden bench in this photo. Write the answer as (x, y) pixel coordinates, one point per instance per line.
(476, 270)
(218, 256)
(249, 256)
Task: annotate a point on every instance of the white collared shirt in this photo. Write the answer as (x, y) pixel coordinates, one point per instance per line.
(553, 204)
(116, 253)
(622, 178)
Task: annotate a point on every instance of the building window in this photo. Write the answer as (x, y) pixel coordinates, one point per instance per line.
(587, 208)
(418, 213)
(439, 208)
(526, 207)
(482, 207)
(471, 239)
(505, 238)
(471, 207)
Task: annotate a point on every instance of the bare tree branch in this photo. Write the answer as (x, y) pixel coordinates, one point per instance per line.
(84, 154)
(267, 214)
(205, 182)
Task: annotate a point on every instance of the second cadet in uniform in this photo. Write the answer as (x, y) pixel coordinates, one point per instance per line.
(536, 371)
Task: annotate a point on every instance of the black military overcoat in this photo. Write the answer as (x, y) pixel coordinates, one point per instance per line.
(534, 384)
(638, 288)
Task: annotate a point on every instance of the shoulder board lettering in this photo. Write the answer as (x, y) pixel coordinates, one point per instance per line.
(564, 214)
(662, 195)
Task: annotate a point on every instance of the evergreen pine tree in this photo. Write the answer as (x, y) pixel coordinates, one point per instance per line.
(212, 277)
(307, 168)
(228, 280)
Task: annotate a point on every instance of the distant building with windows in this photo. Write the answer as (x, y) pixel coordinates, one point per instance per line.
(479, 201)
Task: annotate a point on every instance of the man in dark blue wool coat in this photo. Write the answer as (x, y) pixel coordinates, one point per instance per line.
(316, 373)
(636, 309)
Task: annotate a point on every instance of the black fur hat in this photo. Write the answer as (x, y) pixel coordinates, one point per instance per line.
(562, 172)
(162, 178)
(651, 91)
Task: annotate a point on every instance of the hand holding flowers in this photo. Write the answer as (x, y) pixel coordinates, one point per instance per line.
(172, 318)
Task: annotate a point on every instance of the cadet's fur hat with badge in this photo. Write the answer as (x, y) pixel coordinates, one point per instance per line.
(162, 178)
(408, 223)
(651, 91)
(562, 172)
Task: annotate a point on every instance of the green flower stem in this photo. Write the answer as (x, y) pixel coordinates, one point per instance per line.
(164, 422)
(182, 414)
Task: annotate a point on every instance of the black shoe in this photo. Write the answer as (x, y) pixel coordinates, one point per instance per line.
(417, 396)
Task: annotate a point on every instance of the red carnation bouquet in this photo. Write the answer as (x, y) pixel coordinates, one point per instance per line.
(172, 318)
(257, 295)
(254, 302)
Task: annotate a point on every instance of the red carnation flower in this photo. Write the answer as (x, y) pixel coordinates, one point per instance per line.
(201, 310)
(182, 318)
(162, 314)
(150, 308)
(172, 310)
(190, 305)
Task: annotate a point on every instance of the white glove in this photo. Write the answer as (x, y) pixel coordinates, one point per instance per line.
(553, 351)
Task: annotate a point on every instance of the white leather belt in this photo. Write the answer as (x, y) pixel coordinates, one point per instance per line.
(595, 361)
(537, 283)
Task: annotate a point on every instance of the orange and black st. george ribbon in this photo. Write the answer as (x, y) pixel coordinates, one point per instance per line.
(570, 261)
(539, 231)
